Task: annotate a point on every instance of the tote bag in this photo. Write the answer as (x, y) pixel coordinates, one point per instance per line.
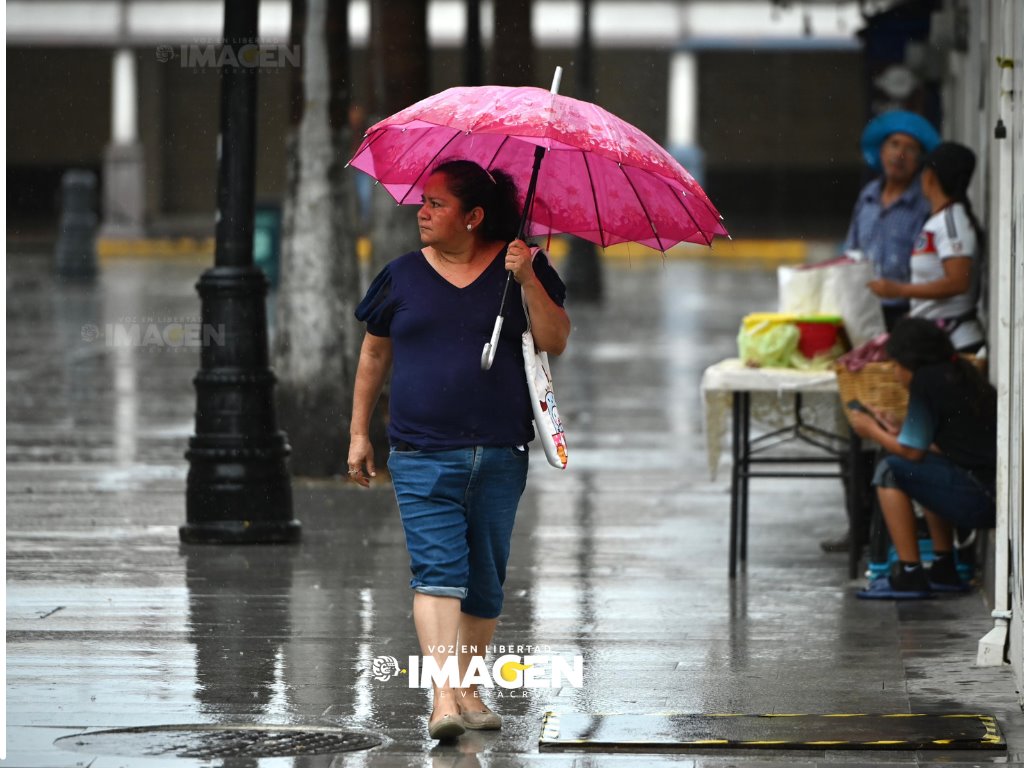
(546, 422)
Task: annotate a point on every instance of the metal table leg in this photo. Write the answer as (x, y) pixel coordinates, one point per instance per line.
(856, 490)
(744, 476)
(746, 452)
(734, 508)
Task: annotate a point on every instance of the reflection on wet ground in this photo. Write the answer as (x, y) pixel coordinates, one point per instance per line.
(621, 559)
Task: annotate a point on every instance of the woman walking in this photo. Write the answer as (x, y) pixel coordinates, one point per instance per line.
(458, 434)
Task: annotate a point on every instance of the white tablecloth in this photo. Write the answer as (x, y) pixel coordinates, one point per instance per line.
(772, 393)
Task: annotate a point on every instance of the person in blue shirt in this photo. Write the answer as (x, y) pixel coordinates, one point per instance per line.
(943, 457)
(891, 209)
(458, 433)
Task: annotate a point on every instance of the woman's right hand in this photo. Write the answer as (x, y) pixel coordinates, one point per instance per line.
(887, 420)
(360, 460)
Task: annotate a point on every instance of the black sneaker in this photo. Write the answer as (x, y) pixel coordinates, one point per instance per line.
(944, 577)
(903, 580)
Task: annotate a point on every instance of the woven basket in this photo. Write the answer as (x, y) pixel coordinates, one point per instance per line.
(876, 387)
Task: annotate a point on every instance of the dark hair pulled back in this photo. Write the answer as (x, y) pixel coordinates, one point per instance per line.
(493, 191)
(916, 343)
(953, 165)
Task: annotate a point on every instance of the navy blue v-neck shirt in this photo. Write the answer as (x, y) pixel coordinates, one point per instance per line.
(440, 397)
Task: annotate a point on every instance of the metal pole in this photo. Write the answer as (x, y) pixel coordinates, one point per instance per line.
(473, 51)
(76, 244)
(238, 488)
(583, 278)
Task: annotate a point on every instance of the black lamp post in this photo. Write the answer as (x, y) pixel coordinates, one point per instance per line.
(238, 489)
(473, 54)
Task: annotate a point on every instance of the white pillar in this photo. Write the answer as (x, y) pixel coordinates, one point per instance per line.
(124, 101)
(124, 193)
(1006, 345)
(682, 99)
(682, 112)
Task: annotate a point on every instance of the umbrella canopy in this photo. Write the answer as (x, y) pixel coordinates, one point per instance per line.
(601, 179)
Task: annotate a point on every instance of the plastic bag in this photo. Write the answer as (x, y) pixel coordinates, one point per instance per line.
(768, 340)
(835, 288)
(860, 309)
(800, 290)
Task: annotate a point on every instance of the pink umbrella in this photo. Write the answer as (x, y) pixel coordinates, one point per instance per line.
(601, 179)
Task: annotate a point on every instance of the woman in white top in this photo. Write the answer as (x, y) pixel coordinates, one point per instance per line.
(944, 264)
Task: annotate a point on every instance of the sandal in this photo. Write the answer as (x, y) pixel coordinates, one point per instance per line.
(882, 589)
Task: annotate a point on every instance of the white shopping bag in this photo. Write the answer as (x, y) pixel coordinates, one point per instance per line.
(836, 288)
(799, 290)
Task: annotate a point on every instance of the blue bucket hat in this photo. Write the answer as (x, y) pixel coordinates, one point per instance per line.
(897, 121)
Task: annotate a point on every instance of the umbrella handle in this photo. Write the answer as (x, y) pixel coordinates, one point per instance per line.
(491, 347)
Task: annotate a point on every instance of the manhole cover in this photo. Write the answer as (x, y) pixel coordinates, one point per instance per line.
(208, 742)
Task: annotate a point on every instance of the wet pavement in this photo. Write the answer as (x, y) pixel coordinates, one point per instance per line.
(621, 559)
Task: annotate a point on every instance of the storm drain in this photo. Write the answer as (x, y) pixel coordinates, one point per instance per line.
(211, 742)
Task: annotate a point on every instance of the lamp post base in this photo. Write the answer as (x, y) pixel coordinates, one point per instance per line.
(241, 532)
(238, 494)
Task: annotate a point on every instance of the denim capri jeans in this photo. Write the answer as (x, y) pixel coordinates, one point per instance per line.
(942, 487)
(458, 507)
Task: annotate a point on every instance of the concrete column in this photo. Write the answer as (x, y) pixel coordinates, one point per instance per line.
(682, 113)
(123, 106)
(124, 196)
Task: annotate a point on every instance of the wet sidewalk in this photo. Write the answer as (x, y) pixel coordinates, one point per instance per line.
(621, 560)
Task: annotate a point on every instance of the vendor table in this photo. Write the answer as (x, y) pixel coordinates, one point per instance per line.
(819, 427)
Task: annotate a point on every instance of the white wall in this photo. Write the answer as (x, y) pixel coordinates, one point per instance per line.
(977, 93)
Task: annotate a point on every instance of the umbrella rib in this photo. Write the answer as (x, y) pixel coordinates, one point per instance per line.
(654, 229)
(426, 166)
(593, 193)
(368, 141)
(707, 240)
(504, 141)
(383, 174)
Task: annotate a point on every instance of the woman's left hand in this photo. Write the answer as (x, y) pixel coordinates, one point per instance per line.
(886, 289)
(519, 261)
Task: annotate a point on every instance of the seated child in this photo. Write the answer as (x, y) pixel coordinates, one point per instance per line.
(943, 457)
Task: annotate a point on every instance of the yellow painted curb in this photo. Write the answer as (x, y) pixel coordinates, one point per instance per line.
(147, 248)
(778, 251)
(773, 251)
